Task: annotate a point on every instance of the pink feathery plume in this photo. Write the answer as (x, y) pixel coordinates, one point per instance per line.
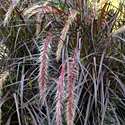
(60, 95)
(43, 65)
(70, 99)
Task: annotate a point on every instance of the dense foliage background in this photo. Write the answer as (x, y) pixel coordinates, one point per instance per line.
(62, 62)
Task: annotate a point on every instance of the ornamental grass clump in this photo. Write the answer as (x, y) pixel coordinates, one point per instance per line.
(79, 78)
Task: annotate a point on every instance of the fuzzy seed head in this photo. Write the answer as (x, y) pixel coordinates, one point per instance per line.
(64, 33)
(70, 97)
(43, 66)
(60, 96)
(11, 8)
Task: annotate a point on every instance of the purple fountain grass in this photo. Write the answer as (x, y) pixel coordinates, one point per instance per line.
(70, 99)
(43, 65)
(60, 95)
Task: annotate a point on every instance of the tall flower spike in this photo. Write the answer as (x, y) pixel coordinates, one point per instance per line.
(43, 66)
(70, 97)
(11, 8)
(60, 96)
(64, 33)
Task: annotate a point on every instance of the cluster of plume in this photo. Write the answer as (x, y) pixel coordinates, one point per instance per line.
(68, 74)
